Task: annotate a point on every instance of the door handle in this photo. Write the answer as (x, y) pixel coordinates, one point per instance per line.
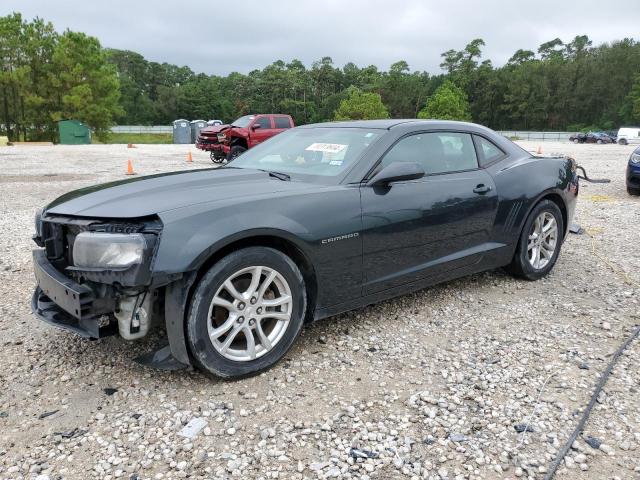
(481, 189)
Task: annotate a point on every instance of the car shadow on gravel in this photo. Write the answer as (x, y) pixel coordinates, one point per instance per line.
(318, 337)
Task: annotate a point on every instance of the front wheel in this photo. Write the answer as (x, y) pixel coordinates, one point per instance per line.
(214, 158)
(599, 142)
(622, 141)
(575, 140)
(246, 312)
(235, 152)
(539, 243)
(633, 191)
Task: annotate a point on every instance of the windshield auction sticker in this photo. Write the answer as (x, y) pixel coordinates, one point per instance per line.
(326, 147)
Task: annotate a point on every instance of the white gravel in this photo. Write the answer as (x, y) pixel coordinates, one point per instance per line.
(429, 385)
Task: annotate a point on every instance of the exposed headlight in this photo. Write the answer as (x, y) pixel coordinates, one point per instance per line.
(108, 250)
(635, 158)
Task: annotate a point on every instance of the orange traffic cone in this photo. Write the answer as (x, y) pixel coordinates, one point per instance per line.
(130, 145)
(539, 151)
(189, 157)
(130, 168)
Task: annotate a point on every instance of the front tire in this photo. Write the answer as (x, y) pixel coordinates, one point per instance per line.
(246, 312)
(539, 243)
(633, 191)
(622, 141)
(235, 152)
(576, 140)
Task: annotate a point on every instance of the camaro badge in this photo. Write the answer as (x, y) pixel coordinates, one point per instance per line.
(340, 237)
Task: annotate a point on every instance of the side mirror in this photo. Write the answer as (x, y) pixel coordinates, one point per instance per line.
(397, 172)
(255, 126)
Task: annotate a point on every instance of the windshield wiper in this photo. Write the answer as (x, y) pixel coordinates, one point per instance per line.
(279, 175)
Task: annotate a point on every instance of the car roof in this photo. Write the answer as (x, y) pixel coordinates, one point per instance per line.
(388, 124)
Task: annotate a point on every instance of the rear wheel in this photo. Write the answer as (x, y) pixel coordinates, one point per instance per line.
(235, 152)
(540, 242)
(599, 142)
(246, 312)
(622, 141)
(633, 191)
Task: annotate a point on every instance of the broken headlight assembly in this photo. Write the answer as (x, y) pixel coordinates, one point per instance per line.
(108, 250)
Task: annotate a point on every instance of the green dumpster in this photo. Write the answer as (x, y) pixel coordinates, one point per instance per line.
(74, 132)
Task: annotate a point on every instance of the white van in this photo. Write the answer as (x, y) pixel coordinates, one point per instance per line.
(628, 135)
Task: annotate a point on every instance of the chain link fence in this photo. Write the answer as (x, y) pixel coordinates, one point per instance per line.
(512, 134)
(537, 136)
(142, 129)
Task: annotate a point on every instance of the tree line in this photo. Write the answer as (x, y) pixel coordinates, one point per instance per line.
(46, 76)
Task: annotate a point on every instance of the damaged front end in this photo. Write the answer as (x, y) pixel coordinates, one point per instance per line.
(94, 277)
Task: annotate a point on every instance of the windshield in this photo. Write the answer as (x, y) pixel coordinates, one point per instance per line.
(316, 152)
(243, 122)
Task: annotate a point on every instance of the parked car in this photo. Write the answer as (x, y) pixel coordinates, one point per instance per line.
(250, 130)
(591, 137)
(633, 173)
(320, 220)
(225, 142)
(628, 135)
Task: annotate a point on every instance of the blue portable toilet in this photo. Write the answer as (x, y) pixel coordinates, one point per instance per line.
(196, 126)
(181, 131)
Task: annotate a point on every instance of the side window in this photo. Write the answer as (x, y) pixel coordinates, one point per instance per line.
(264, 122)
(439, 152)
(489, 152)
(282, 122)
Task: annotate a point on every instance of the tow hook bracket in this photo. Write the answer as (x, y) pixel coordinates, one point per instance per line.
(161, 359)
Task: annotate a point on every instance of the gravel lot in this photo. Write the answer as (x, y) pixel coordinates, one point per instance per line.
(429, 385)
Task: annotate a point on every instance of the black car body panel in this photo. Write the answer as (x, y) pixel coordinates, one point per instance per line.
(633, 171)
(361, 243)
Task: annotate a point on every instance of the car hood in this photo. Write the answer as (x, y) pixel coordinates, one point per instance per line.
(145, 196)
(214, 128)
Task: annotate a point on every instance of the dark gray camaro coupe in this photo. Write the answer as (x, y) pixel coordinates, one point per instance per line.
(316, 221)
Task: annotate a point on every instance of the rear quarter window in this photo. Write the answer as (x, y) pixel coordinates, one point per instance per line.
(488, 152)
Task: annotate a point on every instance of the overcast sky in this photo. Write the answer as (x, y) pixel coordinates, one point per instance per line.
(219, 36)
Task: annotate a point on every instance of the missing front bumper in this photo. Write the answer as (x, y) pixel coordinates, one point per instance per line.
(49, 312)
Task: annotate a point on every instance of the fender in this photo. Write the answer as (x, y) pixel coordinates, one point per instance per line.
(247, 234)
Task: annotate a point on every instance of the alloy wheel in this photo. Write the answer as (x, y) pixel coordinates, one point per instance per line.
(543, 240)
(249, 313)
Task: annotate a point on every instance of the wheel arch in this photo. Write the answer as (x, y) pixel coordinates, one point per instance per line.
(559, 201)
(239, 141)
(556, 198)
(277, 241)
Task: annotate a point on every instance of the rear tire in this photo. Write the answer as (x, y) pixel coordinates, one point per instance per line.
(538, 247)
(246, 312)
(235, 152)
(622, 141)
(633, 191)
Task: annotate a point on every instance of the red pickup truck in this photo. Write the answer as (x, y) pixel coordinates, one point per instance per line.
(225, 142)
